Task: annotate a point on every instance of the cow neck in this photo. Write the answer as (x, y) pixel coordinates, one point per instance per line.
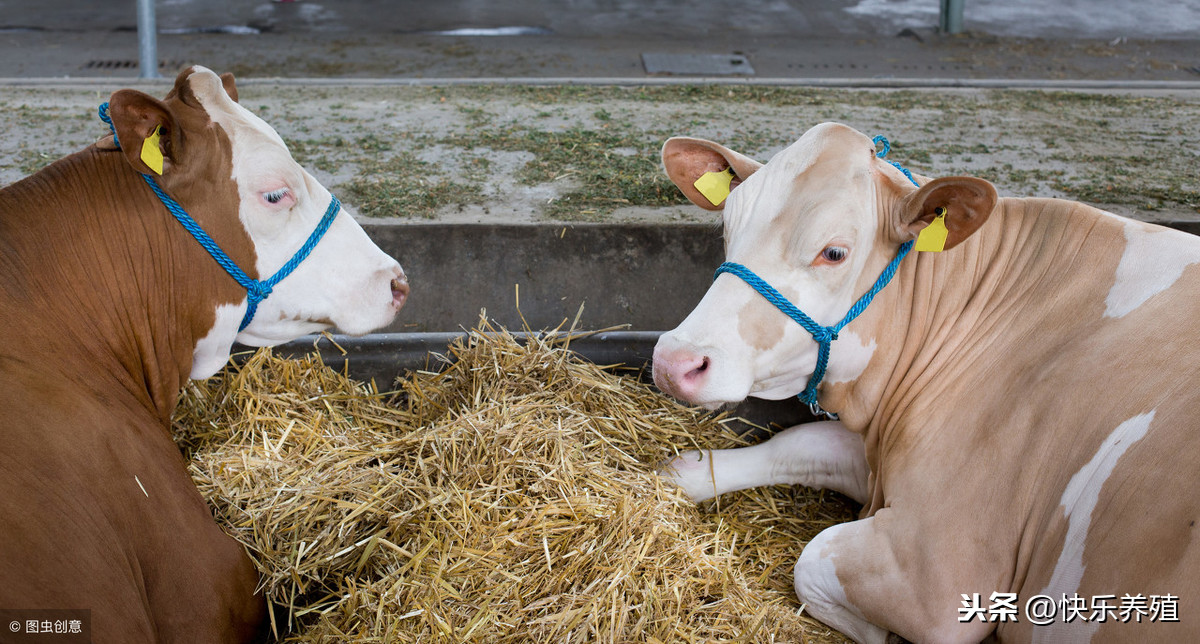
(103, 289)
(976, 313)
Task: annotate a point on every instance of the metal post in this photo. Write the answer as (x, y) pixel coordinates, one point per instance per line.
(952, 16)
(147, 40)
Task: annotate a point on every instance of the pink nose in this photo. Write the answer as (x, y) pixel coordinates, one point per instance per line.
(680, 373)
(399, 289)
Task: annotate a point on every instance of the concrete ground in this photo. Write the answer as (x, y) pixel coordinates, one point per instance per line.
(553, 197)
(1156, 40)
(486, 166)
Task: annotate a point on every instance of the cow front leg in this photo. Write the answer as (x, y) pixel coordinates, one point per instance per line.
(883, 578)
(822, 455)
(823, 594)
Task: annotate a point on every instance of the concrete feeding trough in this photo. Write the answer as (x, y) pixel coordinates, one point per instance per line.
(634, 280)
(374, 486)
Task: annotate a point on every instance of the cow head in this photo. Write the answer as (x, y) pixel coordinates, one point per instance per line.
(234, 175)
(818, 222)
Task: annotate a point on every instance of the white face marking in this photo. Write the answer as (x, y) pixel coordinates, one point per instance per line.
(1079, 500)
(346, 281)
(1153, 260)
(849, 356)
(212, 351)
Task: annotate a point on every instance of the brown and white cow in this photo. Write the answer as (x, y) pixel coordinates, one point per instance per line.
(1018, 414)
(107, 307)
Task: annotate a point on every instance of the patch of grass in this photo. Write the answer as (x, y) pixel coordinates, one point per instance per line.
(1116, 190)
(476, 117)
(405, 186)
(1159, 181)
(622, 181)
(914, 155)
(957, 149)
(610, 161)
(40, 116)
(477, 167)
(588, 157)
(1056, 101)
(703, 94)
(315, 153)
(1027, 176)
(330, 153)
(898, 101)
(31, 161)
(373, 143)
(596, 148)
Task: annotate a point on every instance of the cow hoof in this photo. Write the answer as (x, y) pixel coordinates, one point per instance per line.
(691, 471)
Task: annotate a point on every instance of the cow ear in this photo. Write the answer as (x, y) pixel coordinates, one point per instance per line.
(687, 160)
(967, 204)
(148, 134)
(230, 87)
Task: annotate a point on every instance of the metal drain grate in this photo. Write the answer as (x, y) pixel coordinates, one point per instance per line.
(128, 64)
(697, 64)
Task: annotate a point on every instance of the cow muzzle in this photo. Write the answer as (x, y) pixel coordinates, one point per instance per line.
(697, 375)
(680, 373)
(400, 289)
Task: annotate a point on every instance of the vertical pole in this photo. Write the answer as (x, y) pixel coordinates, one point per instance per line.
(951, 16)
(147, 40)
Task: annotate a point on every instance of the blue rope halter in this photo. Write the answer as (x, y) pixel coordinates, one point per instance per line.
(256, 290)
(824, 335)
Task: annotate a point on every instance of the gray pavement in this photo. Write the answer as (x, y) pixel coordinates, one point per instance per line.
(1067, 40)
(1130, 152)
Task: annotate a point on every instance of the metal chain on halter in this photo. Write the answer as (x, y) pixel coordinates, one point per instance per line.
(823, 335)
(256, 290)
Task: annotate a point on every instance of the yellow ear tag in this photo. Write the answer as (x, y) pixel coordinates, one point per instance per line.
(151, 152)
(715, 185)
(932, 238)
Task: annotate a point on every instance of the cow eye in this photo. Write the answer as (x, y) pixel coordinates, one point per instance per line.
(834, 254)
(275, 196)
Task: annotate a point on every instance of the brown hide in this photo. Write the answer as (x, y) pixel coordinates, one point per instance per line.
(103, 297)
(998, 379)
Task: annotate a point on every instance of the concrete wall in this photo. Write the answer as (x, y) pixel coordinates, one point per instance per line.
(647, 276)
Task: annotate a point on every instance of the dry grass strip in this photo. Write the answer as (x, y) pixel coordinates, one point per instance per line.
(511, 497)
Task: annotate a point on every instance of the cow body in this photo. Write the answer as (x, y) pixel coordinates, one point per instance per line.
(108, 306)
(1017, 414)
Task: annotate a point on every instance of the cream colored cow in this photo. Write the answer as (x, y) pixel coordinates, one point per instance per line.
(1018, 414)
